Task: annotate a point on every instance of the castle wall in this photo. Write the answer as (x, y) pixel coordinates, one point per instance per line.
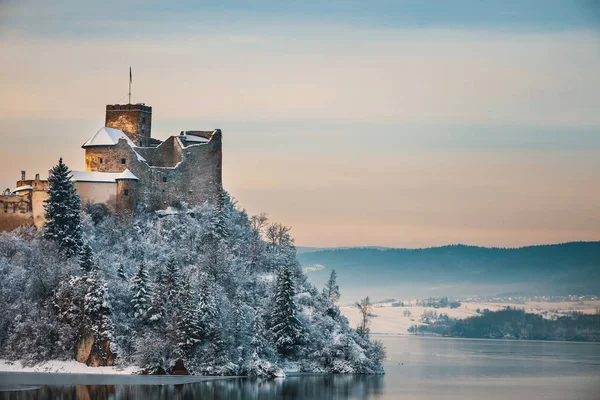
(167, 154)
(98, 192)
(126, 196)
(195, 180)
(37, 207)
(111, 158)
(37, 195)
(15, 211)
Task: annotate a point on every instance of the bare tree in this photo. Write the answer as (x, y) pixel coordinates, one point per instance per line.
(279, 235)
(258, 223)
(364, 307)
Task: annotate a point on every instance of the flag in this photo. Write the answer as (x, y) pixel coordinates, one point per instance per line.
(130, 76)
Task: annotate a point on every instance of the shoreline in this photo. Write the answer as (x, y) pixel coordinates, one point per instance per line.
(432, 336)
(57, 371)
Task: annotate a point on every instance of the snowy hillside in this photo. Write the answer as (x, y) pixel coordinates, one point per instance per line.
(210, 289)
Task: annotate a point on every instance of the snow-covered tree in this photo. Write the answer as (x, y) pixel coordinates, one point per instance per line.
(157, 311)
(287, 329)
(240, 329)
(260, 343)
(141, 293)
(188, 324)
(98, 317)
(86, 258)
(63, 211)
(203, 293)
(82, 302)
(332, 290)
(121, 272)
(218, 220)
(208, 312)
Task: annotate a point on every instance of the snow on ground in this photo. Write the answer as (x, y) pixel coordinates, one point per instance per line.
(69, 367)
(391, 320)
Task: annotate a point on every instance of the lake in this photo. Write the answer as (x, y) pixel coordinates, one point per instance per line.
(417, 368)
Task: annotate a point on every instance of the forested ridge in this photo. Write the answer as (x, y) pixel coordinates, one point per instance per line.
(512, 323)
(208, 289)
(557, 269)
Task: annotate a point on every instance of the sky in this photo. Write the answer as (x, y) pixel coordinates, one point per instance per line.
(382, 123)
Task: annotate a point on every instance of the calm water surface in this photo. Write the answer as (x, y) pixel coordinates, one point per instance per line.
(417, 368)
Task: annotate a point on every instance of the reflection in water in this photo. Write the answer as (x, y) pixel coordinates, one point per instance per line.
(301, 387)
(416, 369)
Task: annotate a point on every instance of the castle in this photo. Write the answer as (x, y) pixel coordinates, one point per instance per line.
(125, 167)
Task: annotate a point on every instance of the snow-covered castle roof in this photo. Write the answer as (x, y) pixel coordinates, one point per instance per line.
(107, 177)
(107, 137)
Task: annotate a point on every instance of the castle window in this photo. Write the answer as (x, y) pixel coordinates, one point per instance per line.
(126, 192)
(101, 161)
(164, 178)
(123, 161)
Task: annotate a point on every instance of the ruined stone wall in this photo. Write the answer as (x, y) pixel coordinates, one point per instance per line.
(135, 120)
(39, 193)
(195, 180)
(167, 154)
(15, 211)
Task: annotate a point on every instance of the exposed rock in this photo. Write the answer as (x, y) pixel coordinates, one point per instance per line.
(84, 348)
(100, 355)
(178, 369)
(94, 353)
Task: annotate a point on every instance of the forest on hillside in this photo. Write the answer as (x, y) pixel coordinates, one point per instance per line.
(512, 323)
(205, 290)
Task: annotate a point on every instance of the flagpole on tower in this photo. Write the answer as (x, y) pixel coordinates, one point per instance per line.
(130, 78)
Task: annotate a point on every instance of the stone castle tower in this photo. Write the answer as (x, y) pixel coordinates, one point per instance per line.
(126, 168)
(135, 120)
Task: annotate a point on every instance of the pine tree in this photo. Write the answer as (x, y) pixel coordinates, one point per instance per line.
(285, 326)
(141, 293)
(332, 290)
(158, 303)
(218, 347)
(239, 331)
(260, 341)
(207, 307)
(214, 355)
(218, 226)
(97, 312)
(240, 325)
(86, 258)
(188, 325)
(172, 280)
(63, 211)
(121, 272)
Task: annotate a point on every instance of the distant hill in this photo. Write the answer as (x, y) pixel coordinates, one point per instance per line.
(459, 270)
(516, 324)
